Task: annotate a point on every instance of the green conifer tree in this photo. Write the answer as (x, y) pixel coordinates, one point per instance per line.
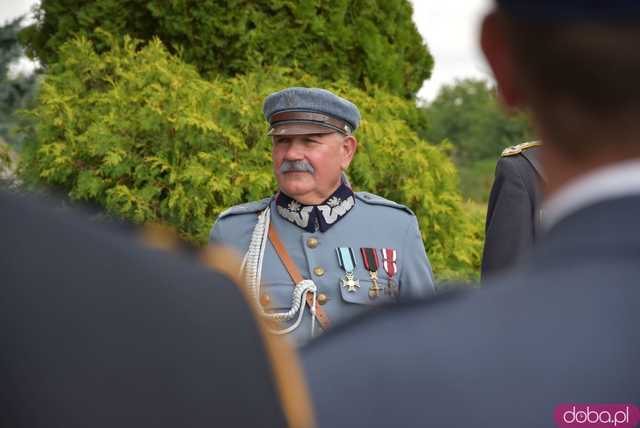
(365, 42)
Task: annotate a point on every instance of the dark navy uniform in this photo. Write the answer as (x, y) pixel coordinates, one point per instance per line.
(513, 211)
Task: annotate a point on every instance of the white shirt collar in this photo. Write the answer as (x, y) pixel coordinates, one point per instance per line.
(620, 179)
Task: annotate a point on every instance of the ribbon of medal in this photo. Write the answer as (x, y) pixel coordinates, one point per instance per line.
(389, 257)
(347, 262)
(371, 263)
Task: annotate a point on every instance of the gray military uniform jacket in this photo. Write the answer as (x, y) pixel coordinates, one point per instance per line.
(372, 222)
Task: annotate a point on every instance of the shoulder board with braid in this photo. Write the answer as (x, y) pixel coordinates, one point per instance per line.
(247, 208)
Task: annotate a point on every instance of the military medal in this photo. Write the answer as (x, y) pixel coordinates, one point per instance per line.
(371, 263)
(348, 263)
(389, 257)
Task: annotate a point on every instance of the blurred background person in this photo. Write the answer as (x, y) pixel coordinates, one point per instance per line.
(513, 211)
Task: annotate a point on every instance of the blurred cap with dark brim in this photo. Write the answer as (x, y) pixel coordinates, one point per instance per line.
(567, 11)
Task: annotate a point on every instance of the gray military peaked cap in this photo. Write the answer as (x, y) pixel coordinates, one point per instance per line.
(317, 109)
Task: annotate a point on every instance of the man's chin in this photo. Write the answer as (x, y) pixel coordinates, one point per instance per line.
(296, 179)
(295, 191)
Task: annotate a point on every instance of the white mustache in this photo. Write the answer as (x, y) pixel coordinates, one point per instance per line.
(300, 166)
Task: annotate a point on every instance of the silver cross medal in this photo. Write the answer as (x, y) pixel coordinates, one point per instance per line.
(348, 262)
(350, 282)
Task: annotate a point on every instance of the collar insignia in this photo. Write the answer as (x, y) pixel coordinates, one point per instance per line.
(316, 217)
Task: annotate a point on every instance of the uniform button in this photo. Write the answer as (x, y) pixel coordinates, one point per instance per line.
(322, 298)
(312, 242)
(265, 299)
(318, 271)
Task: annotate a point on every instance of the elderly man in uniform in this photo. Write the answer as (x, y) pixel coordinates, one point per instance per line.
(317, 253)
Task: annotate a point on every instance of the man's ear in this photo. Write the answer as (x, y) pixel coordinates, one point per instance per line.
(349, 146)
(499, 53)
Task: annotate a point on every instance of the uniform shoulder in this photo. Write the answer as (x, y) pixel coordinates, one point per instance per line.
(372, 199)
(246, 208)
(519, 148)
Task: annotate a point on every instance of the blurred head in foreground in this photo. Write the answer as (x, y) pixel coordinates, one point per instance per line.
(100, 331)
(574, 66)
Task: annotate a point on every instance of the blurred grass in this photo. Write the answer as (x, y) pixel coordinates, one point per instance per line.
(476, 179)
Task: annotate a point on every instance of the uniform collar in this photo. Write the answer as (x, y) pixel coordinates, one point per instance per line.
(614, 181)
(316, 217)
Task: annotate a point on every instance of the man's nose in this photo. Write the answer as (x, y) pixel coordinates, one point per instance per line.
(295, 150)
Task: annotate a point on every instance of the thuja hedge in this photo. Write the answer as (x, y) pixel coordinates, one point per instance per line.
(139, 132)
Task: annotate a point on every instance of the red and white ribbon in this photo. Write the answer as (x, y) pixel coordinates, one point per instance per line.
(389, 257)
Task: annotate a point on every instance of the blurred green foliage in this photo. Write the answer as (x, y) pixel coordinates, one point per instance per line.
(6, 162)
(138, 131)
(467, 114)
(476, 178)
(16, 91)
(364, 42)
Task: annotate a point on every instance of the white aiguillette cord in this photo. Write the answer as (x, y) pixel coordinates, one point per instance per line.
(252, 267)
(297, 278)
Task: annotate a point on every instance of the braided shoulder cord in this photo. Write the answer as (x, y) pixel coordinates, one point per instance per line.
(252, 262)
(252, 269)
